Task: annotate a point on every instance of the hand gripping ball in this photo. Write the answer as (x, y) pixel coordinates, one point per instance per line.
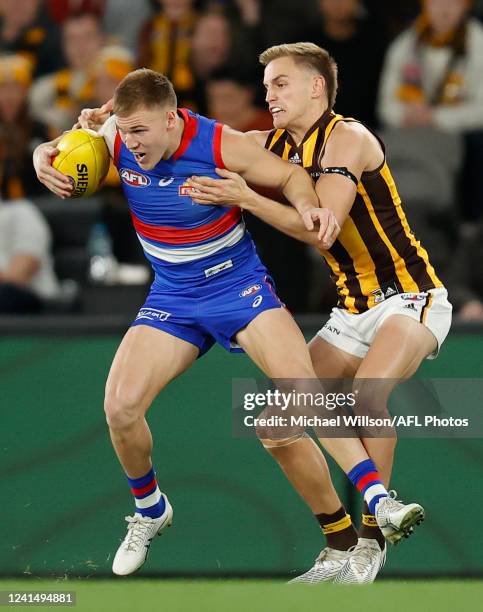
(84, 157)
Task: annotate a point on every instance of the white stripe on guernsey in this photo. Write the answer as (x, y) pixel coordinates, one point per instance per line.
(192, 253)
(376, 489)
(150, 500)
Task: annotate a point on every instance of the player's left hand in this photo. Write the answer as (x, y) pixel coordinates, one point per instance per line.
(231, 191)
(329, 228)
(94, 118)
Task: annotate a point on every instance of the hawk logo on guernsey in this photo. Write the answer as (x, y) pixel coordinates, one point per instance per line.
(378, 296)
(250, 290)
(133, 178)
(383, 293)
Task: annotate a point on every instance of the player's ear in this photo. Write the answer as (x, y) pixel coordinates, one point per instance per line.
(170, 119)
(318, 86)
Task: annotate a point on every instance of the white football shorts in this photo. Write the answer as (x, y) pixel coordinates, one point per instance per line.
(354, 333)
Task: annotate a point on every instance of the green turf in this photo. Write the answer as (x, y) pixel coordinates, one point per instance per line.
(257, 596)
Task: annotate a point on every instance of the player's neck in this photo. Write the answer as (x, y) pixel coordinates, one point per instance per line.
(300, 126)
(175, 138)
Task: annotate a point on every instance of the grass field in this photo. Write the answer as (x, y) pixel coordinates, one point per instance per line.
(94, 595)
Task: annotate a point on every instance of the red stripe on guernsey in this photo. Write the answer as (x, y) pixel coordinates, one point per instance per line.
(117, 147)
(189, 132)
(152, 485)
(365, 480)
(173, 235)
(217, 146)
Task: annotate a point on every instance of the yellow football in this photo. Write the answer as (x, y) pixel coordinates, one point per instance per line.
(84, 157)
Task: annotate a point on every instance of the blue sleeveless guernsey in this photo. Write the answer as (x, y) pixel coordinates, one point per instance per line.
(208, 279)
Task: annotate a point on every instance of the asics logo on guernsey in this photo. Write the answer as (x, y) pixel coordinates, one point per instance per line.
(165, 181)
(134, 179)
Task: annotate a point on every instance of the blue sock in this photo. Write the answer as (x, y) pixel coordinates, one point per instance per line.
(366, 478)
(148, 498)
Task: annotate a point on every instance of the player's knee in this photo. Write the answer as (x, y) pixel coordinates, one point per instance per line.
(277, 446)
(274, 447)
(122, 409)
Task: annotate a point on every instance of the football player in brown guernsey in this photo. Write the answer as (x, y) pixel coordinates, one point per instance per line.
(392, 312)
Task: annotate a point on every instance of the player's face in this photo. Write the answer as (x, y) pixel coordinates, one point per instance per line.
(289, 88)
(146, 134)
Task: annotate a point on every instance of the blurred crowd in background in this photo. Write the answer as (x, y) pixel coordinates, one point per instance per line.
(411, 70)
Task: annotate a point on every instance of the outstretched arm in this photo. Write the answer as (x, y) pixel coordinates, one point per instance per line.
(243, 155)
(234, 191)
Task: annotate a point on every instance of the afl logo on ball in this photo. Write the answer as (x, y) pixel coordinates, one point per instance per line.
(133, 178)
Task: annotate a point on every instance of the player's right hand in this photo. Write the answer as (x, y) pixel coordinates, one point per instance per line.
(329, 228)
(94, 118)
(54, 180)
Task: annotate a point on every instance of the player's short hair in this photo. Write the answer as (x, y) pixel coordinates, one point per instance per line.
(143, 87)
(311, 56)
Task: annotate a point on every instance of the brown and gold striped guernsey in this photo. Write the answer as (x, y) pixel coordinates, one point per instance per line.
(376, 254)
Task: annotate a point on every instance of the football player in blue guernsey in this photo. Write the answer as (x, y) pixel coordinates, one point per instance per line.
(209, 285)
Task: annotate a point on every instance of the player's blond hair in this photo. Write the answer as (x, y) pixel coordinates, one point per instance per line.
(311, 56)
(143, 88)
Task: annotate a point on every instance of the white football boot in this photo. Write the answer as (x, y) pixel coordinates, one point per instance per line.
(140, 531)
(363, 565)
(327, 565)
(395, 519)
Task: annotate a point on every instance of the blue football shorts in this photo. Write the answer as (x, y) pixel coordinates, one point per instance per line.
(214, 312)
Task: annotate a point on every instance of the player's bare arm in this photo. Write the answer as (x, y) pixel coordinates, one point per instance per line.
(243, 155)
(314, 215)
(215, 192)
(258, 136)
(234, 191)
(350, 151)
